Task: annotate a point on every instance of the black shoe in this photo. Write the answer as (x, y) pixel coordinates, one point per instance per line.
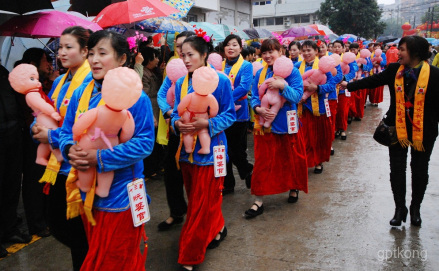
(292, 199)
(182, 268)
(415, 216)
(163, 226)
(357, 119)
(228, 191)
(349, 120)
(44, 233)
(18, 238)
(332, 152)
(343, 137)
(400, 215)
(250, 213)
(337, 134)
(215, 243)
(318, 170)
(248, 179)
(3, 252)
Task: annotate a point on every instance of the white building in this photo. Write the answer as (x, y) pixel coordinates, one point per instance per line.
(279, 15)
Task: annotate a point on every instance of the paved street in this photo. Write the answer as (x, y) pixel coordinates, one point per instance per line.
(342, 224)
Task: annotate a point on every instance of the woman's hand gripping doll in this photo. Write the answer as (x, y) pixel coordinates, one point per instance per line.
(318, 76)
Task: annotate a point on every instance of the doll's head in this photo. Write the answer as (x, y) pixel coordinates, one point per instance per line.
(205, 80)
(256, 67)
(24, 77)
(326, 64)
(336, 58)
(378, 52)
(121, 88)
(364, 53)
(348, 57)
(216, 60)
(176, 69)
(283, 66)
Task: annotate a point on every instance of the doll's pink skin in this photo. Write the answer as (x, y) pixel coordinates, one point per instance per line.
(364, 53)
(377, 59)
(204, 82)
(337, 60)
(271, 98)
(98, 128)
(24, 80)
(348, 58)
(175, 69)
(317, 77)
(256, 67)
(216, 60)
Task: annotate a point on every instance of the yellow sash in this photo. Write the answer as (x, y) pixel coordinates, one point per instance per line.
(315, 95)
(258, 129)
(183, 93)
(235, 69)
(75, 206)
(418, 115)
(53, 165)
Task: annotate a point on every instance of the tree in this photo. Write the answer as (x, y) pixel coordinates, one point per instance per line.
(358, 17)
(427, 16)
(393, 28)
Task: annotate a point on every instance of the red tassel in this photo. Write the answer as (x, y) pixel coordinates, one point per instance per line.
(46, 188)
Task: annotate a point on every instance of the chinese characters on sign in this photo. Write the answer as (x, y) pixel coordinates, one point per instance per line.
(138, 202)
(292, 122)
(219, 161)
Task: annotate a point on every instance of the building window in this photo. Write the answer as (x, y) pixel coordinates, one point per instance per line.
(279, 20)
(261, 3)
(269, 21)
(255, 22)
(304, 19)
(297, 19)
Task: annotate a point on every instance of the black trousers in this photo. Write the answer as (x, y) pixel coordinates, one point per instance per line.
(34, 200)
(69, 232)
(419, 165)
(237, 151)
(10, 179)
(154, 162)
(174, 180)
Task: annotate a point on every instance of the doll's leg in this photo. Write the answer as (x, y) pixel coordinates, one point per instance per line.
(58, 155)
(274, 108)
(188, 141)
(85, 180)
(204, 137)
(43, 153)
(264, 104)
(105, 179)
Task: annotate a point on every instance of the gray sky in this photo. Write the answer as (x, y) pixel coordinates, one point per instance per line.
(386, 2)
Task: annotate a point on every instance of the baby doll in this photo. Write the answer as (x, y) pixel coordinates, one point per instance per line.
(337, 60)
(271, 98)
(377, 59)
(256, 67)
(364, 53)
(108, 125)
(174, 70)
(317, 77)
(24, 80)
(347, 59)
(201, 104)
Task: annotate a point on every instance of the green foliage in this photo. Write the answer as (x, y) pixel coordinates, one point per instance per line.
(427, 16)
(393, 28)
(358, 17)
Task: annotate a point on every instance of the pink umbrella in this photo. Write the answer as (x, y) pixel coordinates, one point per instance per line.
(299, 31)
(44, 24)
(132, 11)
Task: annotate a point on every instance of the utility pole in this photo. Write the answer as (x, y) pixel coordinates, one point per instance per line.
(414, 22)
(431, 23)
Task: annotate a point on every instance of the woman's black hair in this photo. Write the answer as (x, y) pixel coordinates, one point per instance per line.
(231, 37)
(251, 50)
(80, 33)
(245, 52)
(186, 34)
(294, 43)
(270, 44)
(417, 47)
(338, 41)
(118, 42)
(312, 44)
(354, 46)
(200, 45)
(149, 54)
(33, 55)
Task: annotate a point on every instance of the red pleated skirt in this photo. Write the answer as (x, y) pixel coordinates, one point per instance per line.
(204, 218)
(318, 138)
(114, 243)
(333, 106)
(356, 105)
(341, 121)
(280, 164)
(376, 95)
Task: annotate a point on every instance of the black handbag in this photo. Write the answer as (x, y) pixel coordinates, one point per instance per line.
(385, 134)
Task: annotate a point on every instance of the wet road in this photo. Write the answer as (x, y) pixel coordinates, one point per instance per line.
(342, 224)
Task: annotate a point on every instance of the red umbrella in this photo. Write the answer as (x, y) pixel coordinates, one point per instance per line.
(132, 11)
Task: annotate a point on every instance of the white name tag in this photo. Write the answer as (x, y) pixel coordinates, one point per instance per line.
(219, 161)
(138, 202)
(293, 127)
(347, 93)
(328, 109)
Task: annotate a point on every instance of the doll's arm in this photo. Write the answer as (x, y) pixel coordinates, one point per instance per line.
(263, 87)
(185, 102)
(84, 122)
(213, 106)
(34, 100)
(307, 74)
(128, 128)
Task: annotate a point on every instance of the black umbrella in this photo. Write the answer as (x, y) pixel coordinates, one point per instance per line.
(258, 33)
(386, 39)
(24, 6)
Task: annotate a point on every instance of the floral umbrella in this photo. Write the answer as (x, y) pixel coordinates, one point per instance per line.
(219, 31)
(183, 6)
(322, 29)
(300, 31)
(163, 25)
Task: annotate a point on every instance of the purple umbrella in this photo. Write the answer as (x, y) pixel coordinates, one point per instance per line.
(300, 31)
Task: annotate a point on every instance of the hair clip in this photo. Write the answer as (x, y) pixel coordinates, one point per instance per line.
(319, 42)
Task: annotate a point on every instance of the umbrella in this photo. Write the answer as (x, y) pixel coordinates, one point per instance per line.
(322, 29)
(183, 6)
(132, 11)
(348, 37)
(219, 31)
(163, 25)
(23, 6)
(386, 39)
(393, 42)
(300, 31)
(258, 33)
(44, 24)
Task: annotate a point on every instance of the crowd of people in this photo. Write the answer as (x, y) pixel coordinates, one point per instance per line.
(299, 136)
